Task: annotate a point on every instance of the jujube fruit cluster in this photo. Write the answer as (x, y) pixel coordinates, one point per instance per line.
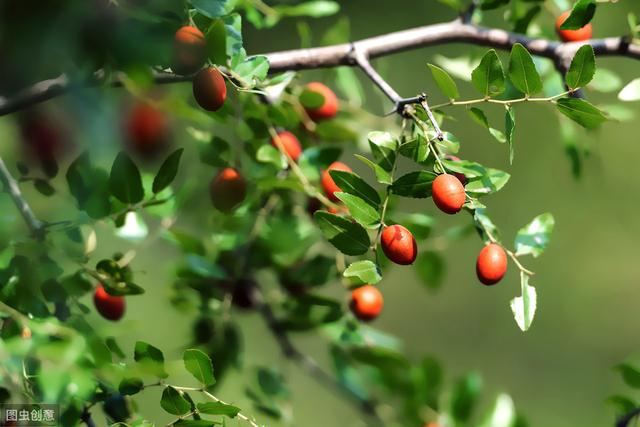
(329, 107)
(227, 190)
(366, 302)
(491, 265)
(111, 307)
(579, 35)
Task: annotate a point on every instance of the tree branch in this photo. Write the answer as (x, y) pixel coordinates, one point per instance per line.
(457, 31)
(11, 186)
(307, 363)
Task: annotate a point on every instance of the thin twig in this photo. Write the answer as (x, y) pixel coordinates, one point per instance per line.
(312, 367)
(11, 186)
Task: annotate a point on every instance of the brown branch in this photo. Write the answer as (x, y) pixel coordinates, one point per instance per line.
(11, 186)
(456, 31)
(368, 407)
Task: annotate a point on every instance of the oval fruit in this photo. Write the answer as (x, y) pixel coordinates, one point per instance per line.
(399, 245)
(209, 89)
(329, 107)
(111, 307)
(328, 185)
(448, 193)
(491, 265)
(366, 302)
(227, 190)
(290, 144)
(581, 34)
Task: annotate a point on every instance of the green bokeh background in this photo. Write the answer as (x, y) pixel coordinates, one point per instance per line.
(559, 373)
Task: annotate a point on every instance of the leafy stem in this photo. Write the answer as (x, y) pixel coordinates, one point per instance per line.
(506, 101)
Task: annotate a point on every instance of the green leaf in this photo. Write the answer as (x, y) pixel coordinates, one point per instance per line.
(464, 397)
(199, 365)
(360, 210)
(44, 187)
(582, 69)
(213, 8)
(313, 9)
(382, 176)
(351, 183)
(430, 269)
(414, 184)
(466, 167)
(509, 129)
(130, 386)
(271, 155)
(631, 92)
(383, 147)
(195, 423)
(311, 99)
(173, 402)
(366, 271)
(167, 172)
(150, 358)
(444, 82)
(271, 382)
(522, 71)
(581, 112)
(253, 69)
(581, 14)
(502, 414)
(125, 181)
(218, 408)
(493, 181)
(347, 237)
(623, 404)
(630, 374)
(524, 306)
(216, 38)
(419, 224)
(534, 237)
(484, 224)
(479, 117)
(605, 80)
(488, 76)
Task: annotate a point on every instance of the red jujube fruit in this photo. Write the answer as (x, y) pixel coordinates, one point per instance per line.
(111, 307)
(329, 107)
(328, 185)
(366, 302)
(448, 193)
(399, 245)
(209, 89)
(227, 190)
(491, 264)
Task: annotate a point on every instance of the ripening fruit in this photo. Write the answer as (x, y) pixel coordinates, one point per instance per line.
(290, 144)
(461, 177)
(582, 34)
(399, 245)
(328, 185)
(491, 264)
(448, 193)
(227, 190)
(366, 302)
(209, 89)
(329, 108)
(43, 141)
(189, 50)
(147, 129)
(111, 307)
